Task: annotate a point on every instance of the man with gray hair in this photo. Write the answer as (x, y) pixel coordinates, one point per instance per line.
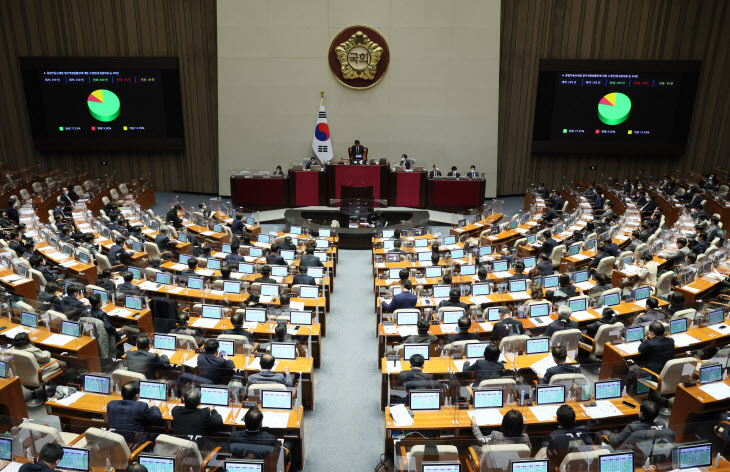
(507, 326)
(563, 321)
(162, 240)
(191, 421)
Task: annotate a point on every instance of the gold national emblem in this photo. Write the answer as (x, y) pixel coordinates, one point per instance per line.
(359, 57)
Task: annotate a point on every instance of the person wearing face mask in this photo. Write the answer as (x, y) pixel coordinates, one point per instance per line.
(472, 174)
(66, 201)
(404, 162)
(203, 209)
(13, 214)
(435, 172)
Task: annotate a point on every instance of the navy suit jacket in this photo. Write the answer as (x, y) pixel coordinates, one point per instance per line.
(13, 215)
(214, 368)
(237, 226)
(115, 253)
(404, 299)
(304, 279)
(130, 417)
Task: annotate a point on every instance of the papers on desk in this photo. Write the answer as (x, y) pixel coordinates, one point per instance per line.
(192, 362)
(390, 329)
(278, 279)
(541, 320)
(224, 411)
(690, 289)
(641, 303)
(502, 274)
(380, 265)
(721, 328)
(422, 249)
(10, 278)
(147, 285)
(522, 230)
(390, 368)
(478, 300)
(584, 285)
(630, 270)
(451, 247)
(486, 326)
(217, 292)
(70, 400)
(296, 306)
(147, 231)
(628, 348)
(621, 237)
(400, 416)
(541, 366)
(58, 339)
(68, 264)
(425, 301)
(449, 328)
(425, 263)
(12, 467)
(205, 323)
(603, 409)
(486, 416)
(275, 420)
(250, 325)
(582, 315)
(120, 312)
(265, 298)
(683, 339)
(717, 390)
(163, 352)
(249, 258)
(580, 257)
(176, 290)
(459, 364)
(545, 412)
(421, 281)
(205, 272)
(220, 255)
(405, 331)
(207, 233)
(11, 333)
(520, 295)
(531, 223)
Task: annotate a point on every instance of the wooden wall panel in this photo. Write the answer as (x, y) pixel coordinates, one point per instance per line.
(610, 29)
(182, 28)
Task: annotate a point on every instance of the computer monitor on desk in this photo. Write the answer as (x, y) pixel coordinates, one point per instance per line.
(537, 345)
(407, 318)
(476, 350)
(678, 326)
(74, 458)
(255, 315)
(157, 463)
(6, 449)
(607, 389)
(152, 390)
(622, 462)
(692, 455)
(425, 399)
(302, 318)
(277, 399)
(528, 465)
(285, 351)
(244, 465)
(411, 349)
(97, 384)
(217, 396)
(440, 466)
(550, 395)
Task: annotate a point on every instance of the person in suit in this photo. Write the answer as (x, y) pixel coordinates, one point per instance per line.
(48, 459)
(416, 372)
(603, 283)
(487, 368)
(563, 322)
(676, 303)
(273, 257)
(127, 287)
(211, 366)
(21, 342)
(648, 411)
(266, 276)
(454, 300)
(404, 162)
(117, 253)
(357, 153)
(49, 295)
(544, 266)
(648, 272)
(38, 262)
(511, 432)
(287, 244)
(95, 311)
(698, 248)
(609, 211)
(172, 218)
(12, 211)
(422, 337)
(697, 198)
(472, 174)
(564, 285)
(626, 187)
(397, 247)
(568, 431)
(237, 322)
(190, 271)
(105, 281)
(551, 213)
(519, 274)
(203, 208)
(651, 314)
(542, 190)
(71, 303)
(611, 248)
(182, 326)
(560, 356)
(237, 225)
(405, 299)
(163, 240)
(601, 250)
(548, 245)
(454, 172)
(608, 316)
(190, 420)
(252, 440)
(143, 361)
(309, 259)
(66, 201)
(650, 206)
(311, 162)
(234, 257)
(130, 417)
(656, 349)
(15, 243)
(266, 375)
(435, 172)
(506, 326)
(463, 334)
(302, 278)
(635, 241)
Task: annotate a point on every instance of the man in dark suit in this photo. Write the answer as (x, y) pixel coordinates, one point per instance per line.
(163, 240)
(189, 420)
(266, 276)
(127, 287)
(568, 431)
(95, 311)
(130, 417)
(698, 248)
(357, 153)
(405, 299)
(563, 322)
(143, 361)
(507, 326)
(519, 274)
(309, 259)
(234, 256)
(472, 174)
(416, 372)
(71, 304)
(611, 248)
(454, 172)
(237, 225)
(49, 295)
(13, 214)
(397, 247)
(551, 212)
(560, 355)
(544, 266)
(212, 367)
(648, 411)
(273, 258)
(192, 265)
(651, 314)
(15, 243)
(650, 206)
(435, 172)
(252, 441)
(237, 322)
(656, 349)
(302, 278)
(48, 459)
(454, 300)
(117, 253)
(601, 249)
(172, 217)
(463, 334)
(287, 244)
(488, 368)
(404, 162)
(696, 201)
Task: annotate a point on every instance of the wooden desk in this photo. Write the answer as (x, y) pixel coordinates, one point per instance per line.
(689, 404)
(143, 319)
(22, 287)
(475, 228)
(86, 272)
(11, 397)
(82, 351)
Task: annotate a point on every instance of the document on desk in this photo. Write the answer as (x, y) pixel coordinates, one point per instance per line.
(449, 328)
(275, 420)
(205, 323)
(630, 270)
(486, 416)
(502, 274)
(390, 329)
(217, 292)
(400, 415)
(147, 231)
(70, 400)
(68, 264)
(192, 362)
(541, 320)
(519, 295)
(459, 364)
(545, 412)
(205, 272)
(582, 315)
(220, 255)
(717, 390)
(10, 278)
(486, 326)
(11, 333)
(421, 281)
(250, 325)
(683, 340)
(176, 290)
(120, 312)
(380, 265)
(58, 339)
(628, 348)
(265, 298)
(147, 285)
(393, 367)
(479, 299)
(406, 331)
(580, 257)
(584, 285)
(208, 233)
(603, 409)
(425, 301)
(690, 289)
(721, 328)
(12, 467)
(541, 366)
(425, 263)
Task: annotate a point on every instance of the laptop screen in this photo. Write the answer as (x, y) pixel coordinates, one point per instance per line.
(243, 465)
(308, 291)
(591, 243)
(164, 342)
(537, 345)
(612, 299)
(710, 374)
(634, 334)
(6, 449)
(678, 326)
(255, 315)
(231, 287)
(481, 289)
(388, 244)
(250, 221)
(493, 314)
(539, 309)
(286, 351)
(468, 270)
(476, 350)
(716, 317)
(607, 389)
(642, 293)
(425, 400)
(517, 285)
(97, 384)
(245, 268)
(214, 264)
(574, 249)
(71, 328)
(195, 283)
(3, 370)
(136, 273)
(226, 248)
(83, 258)
(623, 462)
(157, 463)
(136, 246)
(214, 396)
(287, 255)
(300, 318)
(457, 253)
(551, 395)
(255, 252)
(295, 230)
(440, 466)
(74, 459)
(424, 256)
(182, 237)
(529, 262)
(531, 239)
(489, 398)
(28, 319)
(212, 311)
(388, 233)
(449, 240)
(153, 390)
(550, 281)
(226, 347)
(163, 278)
(184, 258)
(316, 272)
(423, 242)
(485, 250)
(529, 466)
(411, 349)
(581, 276)
(500, 266)
(325, 233)
(263, 238)
(103, 294)
(441, 291)
(433, 272)
(407, 318)
(133, 303)
(269, 290)
(277, 399)
(279, 271)
(578, 304)
(699, 455)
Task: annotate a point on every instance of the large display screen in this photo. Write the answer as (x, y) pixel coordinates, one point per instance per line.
(642, 107)
(103, 103)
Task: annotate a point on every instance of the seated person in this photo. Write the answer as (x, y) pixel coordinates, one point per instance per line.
(192, 265)
(182, 327)
(265, 276)
(482, 274)
(235, 257)
(143, 361)
(191, 420)
(273, 258)
(302, 278)
(225, 274)
(656, 349)
(127, 287)
(252, 442)
(560, 356)
(422, 337)
(211, 366)
(488, 368)
(511, 432)
(282, 310)
(266, 375)
(544, 266)
(563, 321)
(603, 283)
(117, 254)
(71, 303)
(507, 326)
(38, 263)
(287, 244)
(652, 313)
(536, 295)
(114, 333)
(416, 372)
(676, 303)
(454, 300)
(309, 259)
(89, 244)
(568, 431)
(21, 342)
(519, 269)
(463, 334)
(405, 299)
(131, 417)
(48, 459)
(50, 295)
(648, 411)
(237, 322)
(281, 335)
(608, 316)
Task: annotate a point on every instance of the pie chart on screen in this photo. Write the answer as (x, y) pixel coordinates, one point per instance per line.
(103, 105)
(614, 108)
